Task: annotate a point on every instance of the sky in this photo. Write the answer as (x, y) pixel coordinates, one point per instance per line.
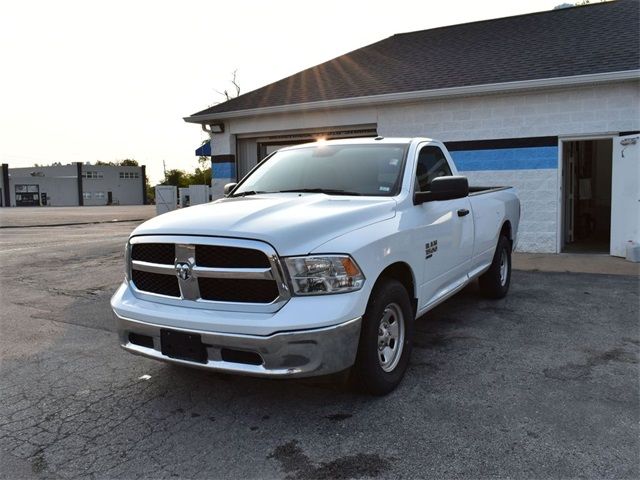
(82, 81)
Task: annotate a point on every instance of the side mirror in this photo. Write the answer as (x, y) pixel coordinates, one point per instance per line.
(444, 188)
(228, 187)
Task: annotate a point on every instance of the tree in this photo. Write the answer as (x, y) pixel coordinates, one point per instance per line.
(201, 176)
(580, 3)
(180, 178)
(127, 162)
(205, 168)
(151, 191)
(177, 178)
(228, 96)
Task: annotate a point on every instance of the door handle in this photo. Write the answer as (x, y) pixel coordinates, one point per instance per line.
(462, 212)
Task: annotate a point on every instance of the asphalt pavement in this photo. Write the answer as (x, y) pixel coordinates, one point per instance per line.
(542, 384)
(29, 217)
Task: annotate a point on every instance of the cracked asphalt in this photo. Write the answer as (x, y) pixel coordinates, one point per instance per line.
(542, 384)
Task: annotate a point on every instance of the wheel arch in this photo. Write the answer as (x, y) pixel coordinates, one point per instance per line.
(403, 273)
(507, 231)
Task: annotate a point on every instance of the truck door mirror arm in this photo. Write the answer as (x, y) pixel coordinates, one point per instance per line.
(444, 188)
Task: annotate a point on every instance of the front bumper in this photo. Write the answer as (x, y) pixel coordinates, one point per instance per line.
(300, 353)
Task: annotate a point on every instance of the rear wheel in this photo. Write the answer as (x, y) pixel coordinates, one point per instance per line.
(385, 339)
(494, 283)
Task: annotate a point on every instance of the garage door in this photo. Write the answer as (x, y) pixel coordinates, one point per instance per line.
(27, 195)
(252, 150)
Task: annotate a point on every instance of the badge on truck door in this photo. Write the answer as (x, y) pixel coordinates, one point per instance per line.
(431, 248)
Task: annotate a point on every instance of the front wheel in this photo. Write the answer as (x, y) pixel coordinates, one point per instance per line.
(385, 339)
(494, 283)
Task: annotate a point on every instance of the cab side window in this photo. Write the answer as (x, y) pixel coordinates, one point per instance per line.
(431, 164)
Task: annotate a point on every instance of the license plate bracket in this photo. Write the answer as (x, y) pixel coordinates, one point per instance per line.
(183, 346)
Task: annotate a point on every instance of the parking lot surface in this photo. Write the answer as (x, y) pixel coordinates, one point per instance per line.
(542, 384)
(43, 216)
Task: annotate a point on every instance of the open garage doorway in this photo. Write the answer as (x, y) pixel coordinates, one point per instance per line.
(586, 179)
(252, 149)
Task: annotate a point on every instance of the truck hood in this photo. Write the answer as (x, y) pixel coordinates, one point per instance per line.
(293, 223)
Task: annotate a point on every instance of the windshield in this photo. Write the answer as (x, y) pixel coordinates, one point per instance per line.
(332, 169)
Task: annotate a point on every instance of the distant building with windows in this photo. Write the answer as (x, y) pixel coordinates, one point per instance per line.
(74, 184)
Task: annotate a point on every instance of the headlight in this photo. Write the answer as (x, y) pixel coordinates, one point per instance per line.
(317, 275)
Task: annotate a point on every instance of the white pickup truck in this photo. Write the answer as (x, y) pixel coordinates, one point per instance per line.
(318, 261)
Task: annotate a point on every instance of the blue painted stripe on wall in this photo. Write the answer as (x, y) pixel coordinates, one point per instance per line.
(224, 170)
(527, 158)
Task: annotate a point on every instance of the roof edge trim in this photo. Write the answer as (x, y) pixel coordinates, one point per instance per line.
(424, 94)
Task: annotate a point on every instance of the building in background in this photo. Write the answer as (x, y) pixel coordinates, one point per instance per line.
(74, 184)
(547, 102)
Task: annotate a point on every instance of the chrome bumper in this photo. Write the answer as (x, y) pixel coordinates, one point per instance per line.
(300, 353)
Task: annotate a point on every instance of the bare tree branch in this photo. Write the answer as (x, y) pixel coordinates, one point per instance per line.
(235, 83)
(225, 93)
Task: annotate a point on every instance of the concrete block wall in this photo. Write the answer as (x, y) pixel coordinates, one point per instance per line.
(217, 187)
(223, 163)
(223, 171)
(538, 192)
(576, 111)
(533, 172)
(560, 112)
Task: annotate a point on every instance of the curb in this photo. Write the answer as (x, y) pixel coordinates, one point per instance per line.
(71, 224)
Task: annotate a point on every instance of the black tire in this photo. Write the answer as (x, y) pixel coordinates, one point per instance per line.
(492, 283)
(389, 303)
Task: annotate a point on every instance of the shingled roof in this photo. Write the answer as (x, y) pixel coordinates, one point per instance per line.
(590, 39)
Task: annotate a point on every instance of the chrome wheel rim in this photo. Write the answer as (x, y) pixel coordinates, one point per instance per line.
(504, 268)
(390, 337)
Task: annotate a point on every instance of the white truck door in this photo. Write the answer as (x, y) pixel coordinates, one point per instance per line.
(445, 230)
(625, 193)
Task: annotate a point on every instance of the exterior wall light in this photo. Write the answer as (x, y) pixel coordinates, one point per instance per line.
(217, 127)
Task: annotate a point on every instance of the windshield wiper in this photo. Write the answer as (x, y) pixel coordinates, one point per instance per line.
(247, 193)
(328, 191)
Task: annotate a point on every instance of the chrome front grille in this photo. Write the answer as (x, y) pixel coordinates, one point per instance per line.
(230, 257)
(207, 272)
(156, 283)
(164, 253)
